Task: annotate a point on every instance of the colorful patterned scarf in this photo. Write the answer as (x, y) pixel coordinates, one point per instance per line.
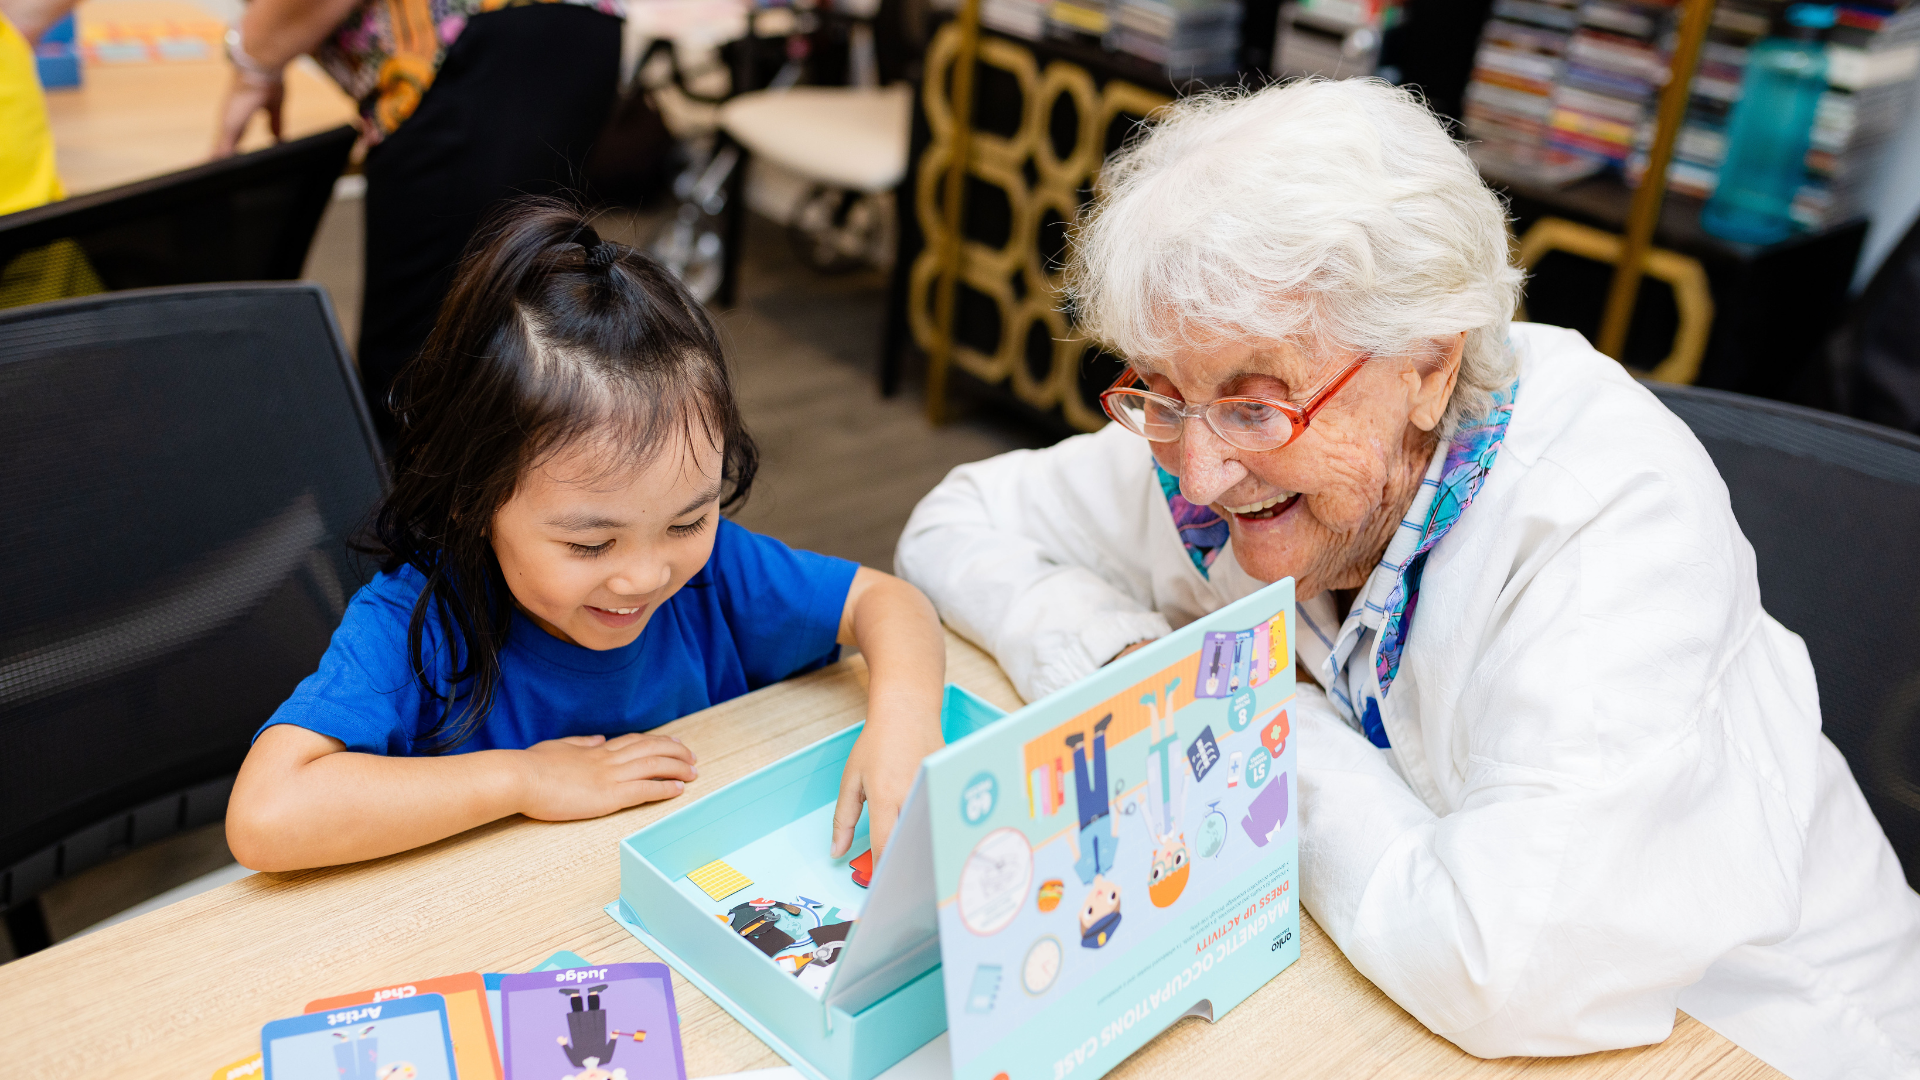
(1383, 610)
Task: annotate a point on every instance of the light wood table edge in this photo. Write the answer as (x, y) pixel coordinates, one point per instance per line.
(184, 990)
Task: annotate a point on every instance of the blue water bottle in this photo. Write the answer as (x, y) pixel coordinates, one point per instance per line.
(1771, 128)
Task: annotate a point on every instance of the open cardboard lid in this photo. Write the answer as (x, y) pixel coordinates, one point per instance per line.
(897, 938)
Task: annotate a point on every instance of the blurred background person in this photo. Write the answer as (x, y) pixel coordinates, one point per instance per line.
(28, 177)
(462, 103)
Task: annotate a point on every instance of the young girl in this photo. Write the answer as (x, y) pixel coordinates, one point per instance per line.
(558, 579)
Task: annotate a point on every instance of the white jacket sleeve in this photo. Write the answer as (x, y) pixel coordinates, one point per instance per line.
(1040, 556)
(1623, 806)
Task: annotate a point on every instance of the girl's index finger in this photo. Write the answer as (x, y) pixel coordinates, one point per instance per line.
(846, 814)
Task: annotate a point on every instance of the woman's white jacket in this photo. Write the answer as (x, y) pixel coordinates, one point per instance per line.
(1607, 796)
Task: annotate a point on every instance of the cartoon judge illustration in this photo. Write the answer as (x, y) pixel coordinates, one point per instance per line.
(586, 1042)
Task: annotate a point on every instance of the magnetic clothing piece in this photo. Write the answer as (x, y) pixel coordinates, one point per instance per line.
(718, 879)
(757, 613)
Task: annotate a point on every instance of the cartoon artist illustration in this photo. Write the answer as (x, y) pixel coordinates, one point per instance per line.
(1097, 842)
(357, 1056)
(1166, 803)
(1100, 914)
(586, 1043)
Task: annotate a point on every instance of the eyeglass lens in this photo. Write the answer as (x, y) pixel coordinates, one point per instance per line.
(1249, 425)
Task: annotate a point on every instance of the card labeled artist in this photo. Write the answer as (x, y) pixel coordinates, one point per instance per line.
(390, 1040)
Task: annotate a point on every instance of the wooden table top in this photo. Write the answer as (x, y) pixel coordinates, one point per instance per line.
(184, 990)
(132, 121)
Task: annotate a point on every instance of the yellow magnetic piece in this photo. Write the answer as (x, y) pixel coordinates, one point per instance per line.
(719, 880)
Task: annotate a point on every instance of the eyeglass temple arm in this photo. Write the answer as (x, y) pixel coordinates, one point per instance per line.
(1321, 395)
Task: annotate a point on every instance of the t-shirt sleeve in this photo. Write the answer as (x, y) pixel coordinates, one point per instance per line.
(364, 693)
(782, 606)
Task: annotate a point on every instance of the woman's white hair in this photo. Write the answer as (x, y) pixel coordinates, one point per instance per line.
(1314, 211)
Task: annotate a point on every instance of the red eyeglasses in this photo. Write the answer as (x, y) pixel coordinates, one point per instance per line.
(1255, 424)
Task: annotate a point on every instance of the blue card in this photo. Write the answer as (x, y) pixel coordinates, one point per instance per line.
(406, 1039)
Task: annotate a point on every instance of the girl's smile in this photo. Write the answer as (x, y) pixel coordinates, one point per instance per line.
(590, 552)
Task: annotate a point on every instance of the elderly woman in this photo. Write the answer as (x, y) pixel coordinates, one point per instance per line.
(1565, 774)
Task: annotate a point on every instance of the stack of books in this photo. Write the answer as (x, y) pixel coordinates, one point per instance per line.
(1613, 72)
(1873, 56)
(1189, 38)
(1020, 18)
(1521, 60)
(1086, 21)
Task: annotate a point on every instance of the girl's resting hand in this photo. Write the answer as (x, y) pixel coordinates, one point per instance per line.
(585, 776)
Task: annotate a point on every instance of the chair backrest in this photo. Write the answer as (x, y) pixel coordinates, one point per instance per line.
(180, 470)
(250, 217)
(1832, 508)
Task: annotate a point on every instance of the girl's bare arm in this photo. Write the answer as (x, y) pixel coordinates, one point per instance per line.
(303, 800)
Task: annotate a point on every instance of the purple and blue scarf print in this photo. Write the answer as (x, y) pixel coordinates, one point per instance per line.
(1387, 601)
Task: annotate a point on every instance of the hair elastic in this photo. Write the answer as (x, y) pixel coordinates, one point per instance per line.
(602, 254)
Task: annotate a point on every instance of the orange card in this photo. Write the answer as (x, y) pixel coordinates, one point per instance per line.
(476, 1055)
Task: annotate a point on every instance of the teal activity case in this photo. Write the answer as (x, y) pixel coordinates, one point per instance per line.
(1064, 882)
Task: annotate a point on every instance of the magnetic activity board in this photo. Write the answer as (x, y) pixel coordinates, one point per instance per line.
(1064, 883)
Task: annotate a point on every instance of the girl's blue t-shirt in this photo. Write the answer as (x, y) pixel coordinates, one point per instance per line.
(758, 612)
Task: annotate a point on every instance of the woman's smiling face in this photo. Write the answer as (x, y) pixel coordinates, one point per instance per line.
(1322, 508)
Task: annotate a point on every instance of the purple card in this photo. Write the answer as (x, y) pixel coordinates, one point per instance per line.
(611, 1022)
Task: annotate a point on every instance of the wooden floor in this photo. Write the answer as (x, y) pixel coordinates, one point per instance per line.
(841, 469)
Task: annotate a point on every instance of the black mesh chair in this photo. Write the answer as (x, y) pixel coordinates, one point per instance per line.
(250, 217)
(1832, 508)
(180, 469)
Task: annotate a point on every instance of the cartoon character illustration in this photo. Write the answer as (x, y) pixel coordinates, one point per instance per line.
(1167, 878)
(1213, 670)
(1100, 914)
(586, 1043)
(1242, 659)
(357, 1056)
(592, 1071)
(1097, 842)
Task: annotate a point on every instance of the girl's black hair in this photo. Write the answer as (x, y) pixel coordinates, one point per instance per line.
(548, 334)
